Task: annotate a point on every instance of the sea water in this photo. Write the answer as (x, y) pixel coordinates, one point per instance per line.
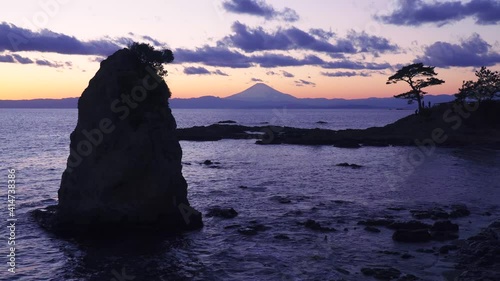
(285, 185)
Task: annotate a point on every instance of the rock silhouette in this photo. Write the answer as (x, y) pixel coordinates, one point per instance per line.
(124, 168)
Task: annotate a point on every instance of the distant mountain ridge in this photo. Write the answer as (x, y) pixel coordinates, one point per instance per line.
(258, 96)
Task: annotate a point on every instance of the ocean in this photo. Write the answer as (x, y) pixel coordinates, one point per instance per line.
(286, 185)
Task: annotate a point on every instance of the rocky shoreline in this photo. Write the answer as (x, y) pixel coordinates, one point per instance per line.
(432, 231)
(444, 125)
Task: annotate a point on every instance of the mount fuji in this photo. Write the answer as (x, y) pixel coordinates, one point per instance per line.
(261, 92)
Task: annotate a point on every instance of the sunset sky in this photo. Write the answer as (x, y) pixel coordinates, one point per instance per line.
(315, 48)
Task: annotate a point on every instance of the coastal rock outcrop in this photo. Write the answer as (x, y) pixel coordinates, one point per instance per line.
(124, 167)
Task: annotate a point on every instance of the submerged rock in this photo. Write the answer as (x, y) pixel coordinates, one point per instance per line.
(445, 226)
(354, 166)
(314, 225)
(227, 122)
(226, 213)
(381, 273)
(459, 211)
(411, 231)
(124, 167)
(412, 236)
(434, 213)
(372, 229)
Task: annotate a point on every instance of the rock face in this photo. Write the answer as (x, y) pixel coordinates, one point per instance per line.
(124, 167)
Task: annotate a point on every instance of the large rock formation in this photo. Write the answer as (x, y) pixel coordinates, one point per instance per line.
(124, 168)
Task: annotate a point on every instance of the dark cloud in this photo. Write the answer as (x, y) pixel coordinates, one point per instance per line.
(259, 8)
(345, 74)
(213, 56)
(224, 57)
(96, 59)
(13, 38)
(257, 39)
(219, 72)
(44, 62)
(196, 70)
(321, 33)
(302, 83)
(6, 58)
(256, 80)
(16, 58)
(271, 73)
(155, 42)
(418, 12)
(277, 60)
(289, 15)
(471, 52)
(192, 70)
(346, 64)
(251, 40)
(287, 74)
(22, 60)
(370, 43)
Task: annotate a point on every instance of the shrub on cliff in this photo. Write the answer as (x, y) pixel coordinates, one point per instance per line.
(154, 58)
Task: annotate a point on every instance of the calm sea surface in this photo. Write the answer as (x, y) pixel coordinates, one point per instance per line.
(286, 184)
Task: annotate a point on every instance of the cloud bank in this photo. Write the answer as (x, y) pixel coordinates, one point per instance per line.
(418, 12)
(473, 51)
(257, 39)
(15, 39)
(261, 9)
(192, 70)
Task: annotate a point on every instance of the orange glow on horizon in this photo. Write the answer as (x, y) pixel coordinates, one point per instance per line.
(34, 82)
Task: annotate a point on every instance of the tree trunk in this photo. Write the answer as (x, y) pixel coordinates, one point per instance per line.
(419, 101)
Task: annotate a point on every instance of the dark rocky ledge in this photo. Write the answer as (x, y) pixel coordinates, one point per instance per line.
(449, 125)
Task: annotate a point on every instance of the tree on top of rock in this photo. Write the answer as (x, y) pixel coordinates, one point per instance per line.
(487, 86)
(154, 58)
(418, 77)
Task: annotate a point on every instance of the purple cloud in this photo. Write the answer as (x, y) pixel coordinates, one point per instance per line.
(13, 38)
(473, 51)
(196, 70)
(213, 56)
(344, 74)
(321, 33)
(219, 72)
(44, 62)
(346, 64)
(257, 39)
(277, 60)
(15, 58)
(302, 83)
(192, 70)
(256, 80)
(6, 58)
(370, 43)
(287, 74)
(22, 60)
(418, 12)
(259, 8)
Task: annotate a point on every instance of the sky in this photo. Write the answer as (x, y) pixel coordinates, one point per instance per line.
(310, 49)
